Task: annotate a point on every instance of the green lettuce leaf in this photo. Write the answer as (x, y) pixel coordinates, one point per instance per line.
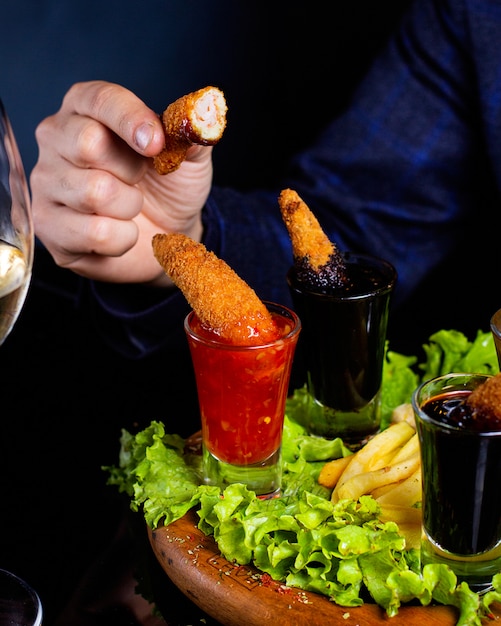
(451, 351)
(154, 472)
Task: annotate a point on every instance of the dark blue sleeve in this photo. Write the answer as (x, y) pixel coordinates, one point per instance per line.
(400, 172)
(396, 175)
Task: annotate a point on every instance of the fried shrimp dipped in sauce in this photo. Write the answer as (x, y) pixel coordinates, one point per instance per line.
(485, 402)
(223, 302)
(317, 261)
(196, 118)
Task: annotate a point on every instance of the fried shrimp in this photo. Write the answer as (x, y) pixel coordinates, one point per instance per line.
(223, 302)
(317, 260)
(196, 118)
(485, 401)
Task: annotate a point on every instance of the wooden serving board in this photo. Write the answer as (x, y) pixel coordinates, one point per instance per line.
(236, 595)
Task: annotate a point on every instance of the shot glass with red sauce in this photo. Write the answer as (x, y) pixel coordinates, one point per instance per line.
(242, 392)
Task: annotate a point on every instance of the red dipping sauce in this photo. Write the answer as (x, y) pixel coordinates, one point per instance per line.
(242, 390)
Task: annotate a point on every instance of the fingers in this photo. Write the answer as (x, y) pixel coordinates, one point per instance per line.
(86, 191)
(97, 200)
(107, 249)
(93, 235)
(119, 110)
(86, 169)
(87, 144)
(86, 135)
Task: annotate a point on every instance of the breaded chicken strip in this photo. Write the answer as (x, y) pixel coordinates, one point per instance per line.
(196, 118)
(222, 301)
(317, 260)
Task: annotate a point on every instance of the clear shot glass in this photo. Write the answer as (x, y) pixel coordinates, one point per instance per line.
(496, 332)
(461, 478)
(343, 346)
(242, 391)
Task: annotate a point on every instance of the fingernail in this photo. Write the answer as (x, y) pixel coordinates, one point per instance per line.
(143, 136)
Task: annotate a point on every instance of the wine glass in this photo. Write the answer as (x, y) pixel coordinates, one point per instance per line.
(19, 604)
(16, 229)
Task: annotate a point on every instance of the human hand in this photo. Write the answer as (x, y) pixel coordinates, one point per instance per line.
(97, 200)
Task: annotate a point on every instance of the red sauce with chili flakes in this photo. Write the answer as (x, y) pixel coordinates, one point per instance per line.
(242, 393)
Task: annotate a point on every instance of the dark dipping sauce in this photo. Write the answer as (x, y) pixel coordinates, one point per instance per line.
(344, 332)
(352, 280)
(455, 412)
(342, 347)
(461, 475)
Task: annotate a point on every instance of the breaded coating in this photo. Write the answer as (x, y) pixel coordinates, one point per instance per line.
(315, 256)
(307, 237)
(221, 299)
(196, 118)
(486, 400)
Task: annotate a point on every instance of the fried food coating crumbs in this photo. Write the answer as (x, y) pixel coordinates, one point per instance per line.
(222, 300)
(485, 401)
(317, 261)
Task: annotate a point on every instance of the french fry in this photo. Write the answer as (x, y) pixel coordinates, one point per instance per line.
(401, 514)
(388, 468)
(403, 412)
(410, 448)
(405, 493)
(412, 534)
(366, 482)
(380, 491)
(372, 456)
(375, 454)
(408, 520)
(331, 471)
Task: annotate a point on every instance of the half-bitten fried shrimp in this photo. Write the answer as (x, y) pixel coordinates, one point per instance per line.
(223, 302)
(317, 260)
(196, 118)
